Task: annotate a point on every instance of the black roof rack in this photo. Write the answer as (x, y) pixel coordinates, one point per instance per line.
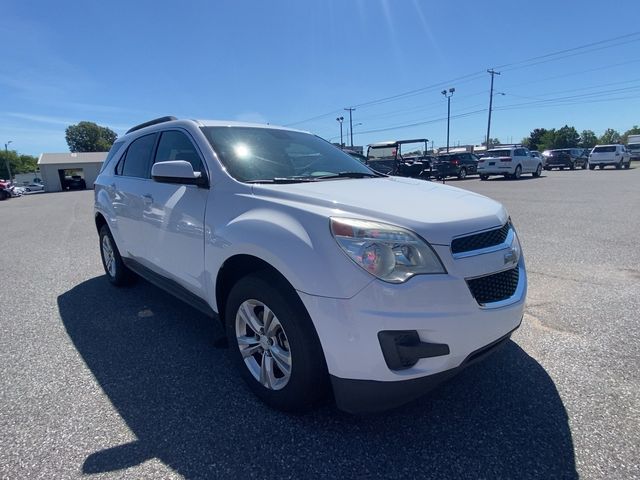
(155, 121)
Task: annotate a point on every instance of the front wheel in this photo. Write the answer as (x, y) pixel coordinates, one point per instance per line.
(274, 343)
(462, 174)
(592, 167)
(584, 165)
(484, 177)
(627, 165)
(538, 171)
(619, 165)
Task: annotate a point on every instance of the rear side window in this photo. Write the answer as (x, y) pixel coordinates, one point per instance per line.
(175, 145)
(137, 161)
(115, 148)
(607, 149)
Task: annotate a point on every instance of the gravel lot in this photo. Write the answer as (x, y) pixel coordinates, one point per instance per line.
(128, 383)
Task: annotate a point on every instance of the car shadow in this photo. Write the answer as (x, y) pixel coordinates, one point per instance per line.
(155, 358)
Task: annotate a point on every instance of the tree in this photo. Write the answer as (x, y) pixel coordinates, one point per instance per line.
(492, 142)
(18, 163)
(588, 139)
(547, 140)
(635, 130)
(566, 137)
(89, 137)
(532, 142)
(609, 136)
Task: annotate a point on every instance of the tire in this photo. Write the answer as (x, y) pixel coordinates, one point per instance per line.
(115, 269)
(517, 173)
(3, 195)
(584, 165)
(294, 337)
(627, 165)
(538, 171)
(601, 167)
(462, 174)
(547, 168)
(592, 167)
(484, 177)
(572, 166)
(619, 165)
(560, 168)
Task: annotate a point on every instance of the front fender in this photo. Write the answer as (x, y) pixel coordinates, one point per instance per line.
(301, 249)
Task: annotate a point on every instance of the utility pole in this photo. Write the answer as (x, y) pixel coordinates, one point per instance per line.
(492, 73)
(448, 96)
(340, 120)
(350, 110)
(6, 158)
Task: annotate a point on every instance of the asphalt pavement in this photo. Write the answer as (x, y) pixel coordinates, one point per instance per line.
(129, 383)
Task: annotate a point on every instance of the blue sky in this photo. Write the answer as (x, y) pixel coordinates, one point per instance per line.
(121, 63)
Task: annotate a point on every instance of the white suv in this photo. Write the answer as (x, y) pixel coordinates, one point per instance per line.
(511, 162)
(614, 155)
(325, 274)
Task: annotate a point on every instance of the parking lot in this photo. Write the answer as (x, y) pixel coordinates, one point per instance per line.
(130, 383)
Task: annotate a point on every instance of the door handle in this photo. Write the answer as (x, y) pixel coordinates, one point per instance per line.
(147, 198)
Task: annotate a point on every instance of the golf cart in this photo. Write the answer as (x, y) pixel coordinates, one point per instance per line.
(404, 158)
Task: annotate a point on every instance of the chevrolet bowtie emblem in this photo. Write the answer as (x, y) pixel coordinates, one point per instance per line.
(510, 257)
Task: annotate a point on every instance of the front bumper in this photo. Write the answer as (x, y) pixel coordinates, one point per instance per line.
(439, 308)
(369, 396)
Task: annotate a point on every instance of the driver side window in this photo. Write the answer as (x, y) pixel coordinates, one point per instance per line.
(175, 145)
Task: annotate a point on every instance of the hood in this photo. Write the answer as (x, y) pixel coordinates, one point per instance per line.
(436, 212)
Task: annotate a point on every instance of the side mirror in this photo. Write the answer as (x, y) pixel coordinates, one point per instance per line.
(177, 171)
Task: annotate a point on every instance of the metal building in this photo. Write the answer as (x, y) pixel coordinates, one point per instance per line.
(56, 169)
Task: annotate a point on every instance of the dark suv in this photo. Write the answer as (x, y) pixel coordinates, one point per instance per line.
(455, 165)
(565, 157)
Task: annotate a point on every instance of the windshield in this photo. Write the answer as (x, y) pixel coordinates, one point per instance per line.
(252, 154)
(381, 153)
(498, 153)
(560, 152)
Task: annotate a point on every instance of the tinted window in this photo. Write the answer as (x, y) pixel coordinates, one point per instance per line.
(137, 160)
(176, 145)
(115, 148)
(608, 149)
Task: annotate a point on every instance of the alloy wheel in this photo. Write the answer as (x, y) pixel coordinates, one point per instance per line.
(108, 256)
(263, 344)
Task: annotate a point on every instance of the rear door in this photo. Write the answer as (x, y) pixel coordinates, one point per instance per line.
(130, 182)
(175, 215)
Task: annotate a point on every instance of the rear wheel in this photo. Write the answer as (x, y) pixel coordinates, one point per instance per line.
(274, 343)
(3, 195)
(592, 167)
(484, 177)
(538, 171)
(627, 165)
(117, 272)
(572, 166)
(584, 165)
(517, 173)
(462, 174)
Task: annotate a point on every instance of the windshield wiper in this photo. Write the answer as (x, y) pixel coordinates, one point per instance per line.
(348, 175)
(283, 180)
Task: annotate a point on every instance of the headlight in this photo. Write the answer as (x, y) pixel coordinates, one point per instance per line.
(391, 253)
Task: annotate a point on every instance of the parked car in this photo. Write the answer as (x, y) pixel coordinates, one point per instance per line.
(5, 189)
(633, 146)
(455, 165)
(76, 182)
(16, 191)
(565, 158)
(326, 275)
(390, 159)
(34, 187)
(614, 155)
(509, 161)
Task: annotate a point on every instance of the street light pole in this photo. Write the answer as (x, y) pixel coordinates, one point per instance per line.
(340, 120)
(448, 95)
(6, 157)
(351, 131)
